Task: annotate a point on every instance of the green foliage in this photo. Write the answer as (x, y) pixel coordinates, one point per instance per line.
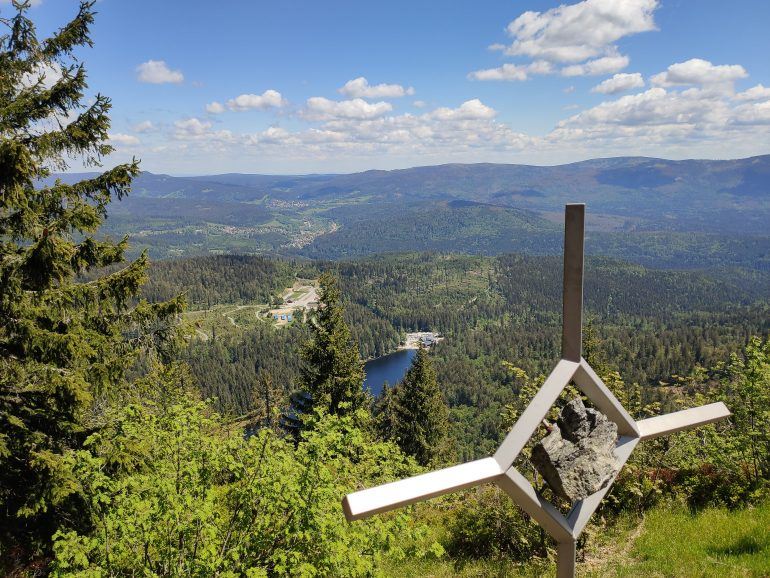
(487, 524)
(228, 366)
(725, 464)
(65, 345)
(669, 540)
(746, 388)
(720, 465)
(414, 414)
(218, 279)
(332, 373)
(198, 499)
(268, 400)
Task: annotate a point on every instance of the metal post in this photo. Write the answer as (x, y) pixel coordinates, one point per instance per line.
(565, 559)
(572, 329)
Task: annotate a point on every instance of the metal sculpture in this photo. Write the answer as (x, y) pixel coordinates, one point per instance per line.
(499, 469)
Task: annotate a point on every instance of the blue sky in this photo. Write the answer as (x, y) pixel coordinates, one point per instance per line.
(237, 86)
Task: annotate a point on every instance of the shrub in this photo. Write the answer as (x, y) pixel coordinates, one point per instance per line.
(487, 524)
(175, 492)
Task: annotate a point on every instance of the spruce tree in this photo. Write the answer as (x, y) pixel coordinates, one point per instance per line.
(332, 371)
(420, 416)
(65, 344)
(384, 412)
(267, 400)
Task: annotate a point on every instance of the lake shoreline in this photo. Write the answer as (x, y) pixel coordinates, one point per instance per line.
(391, 367)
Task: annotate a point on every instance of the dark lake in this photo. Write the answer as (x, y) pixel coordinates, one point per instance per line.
(390, 368)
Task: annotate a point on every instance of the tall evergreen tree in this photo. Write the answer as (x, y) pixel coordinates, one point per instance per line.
(384, 411)
(65, 344)
(332, 372)
(420, 417)
(267, 400)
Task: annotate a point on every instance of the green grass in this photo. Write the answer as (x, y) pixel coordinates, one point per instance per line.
(668, 542)
(715, 542)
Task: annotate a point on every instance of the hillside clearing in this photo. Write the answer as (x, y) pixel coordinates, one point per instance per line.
(668, 541)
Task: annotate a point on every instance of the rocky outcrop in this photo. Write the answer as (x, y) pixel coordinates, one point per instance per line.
(577, 457)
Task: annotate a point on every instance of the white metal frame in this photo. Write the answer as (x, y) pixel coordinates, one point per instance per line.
(499, 469)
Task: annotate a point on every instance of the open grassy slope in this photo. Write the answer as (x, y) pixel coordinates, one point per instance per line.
(667, 542)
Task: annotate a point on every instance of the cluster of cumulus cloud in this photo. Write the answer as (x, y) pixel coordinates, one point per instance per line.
(689, 102)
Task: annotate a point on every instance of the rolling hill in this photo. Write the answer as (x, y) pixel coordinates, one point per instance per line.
(687, 211)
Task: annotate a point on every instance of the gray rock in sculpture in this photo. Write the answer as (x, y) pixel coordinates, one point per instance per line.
(577, 457)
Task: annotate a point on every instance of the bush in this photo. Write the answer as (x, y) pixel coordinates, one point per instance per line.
(487, 524)
(176, 492)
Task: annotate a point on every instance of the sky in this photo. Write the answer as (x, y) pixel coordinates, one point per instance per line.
(301, 86)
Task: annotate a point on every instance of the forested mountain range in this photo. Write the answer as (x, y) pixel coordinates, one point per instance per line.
(651, 325)
(661, 213)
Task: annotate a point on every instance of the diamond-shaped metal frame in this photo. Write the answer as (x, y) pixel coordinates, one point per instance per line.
(499, 469)
(519, 488)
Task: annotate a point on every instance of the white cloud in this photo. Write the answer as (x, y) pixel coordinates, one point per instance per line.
(756, 113)
(598, 66)
(158, 72)
(661, 119)
(243, 102)
(356, 132)
(320, 108)
(580, 36)
(697, 71)
(360, 88)
(46, 74)
(191, 127)
(144, 126)
(273, 135)
(215, 107)
(568, 90)
(194, 130)
(758, 92)
(123, 139)
(420, 103)
(655, 106)
(469, 110)
(619, 83)
(576, 32)
(504, 72)
(512, 71)
(353, 134)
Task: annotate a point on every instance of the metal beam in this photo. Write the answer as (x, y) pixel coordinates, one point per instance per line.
(679, 420)
(584, 509)
(542, 511)
(600, 395)
(404, 492)
(565, 559)
(572, 303)
(537, 409)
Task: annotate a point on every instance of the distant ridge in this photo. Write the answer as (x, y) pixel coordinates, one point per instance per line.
(684, 214)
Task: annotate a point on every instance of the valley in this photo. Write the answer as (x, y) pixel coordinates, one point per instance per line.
(652, 325)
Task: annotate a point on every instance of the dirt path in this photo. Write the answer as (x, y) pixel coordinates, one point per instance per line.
(618, 552)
